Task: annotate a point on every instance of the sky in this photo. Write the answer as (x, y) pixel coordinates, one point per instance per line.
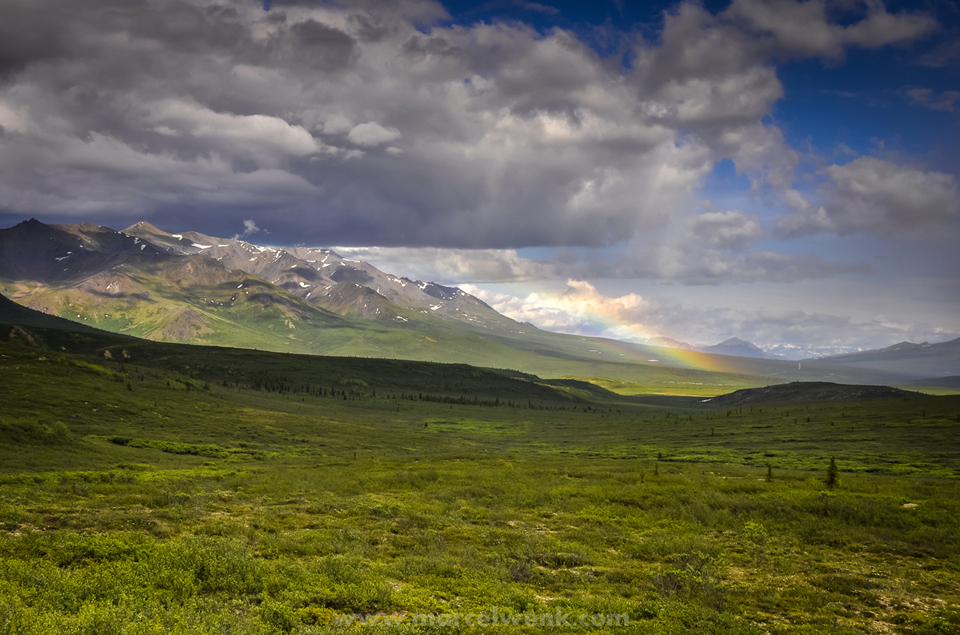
(783, 172)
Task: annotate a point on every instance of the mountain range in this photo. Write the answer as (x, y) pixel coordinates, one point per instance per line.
(930, 360)
(739, 348)
(194, 288)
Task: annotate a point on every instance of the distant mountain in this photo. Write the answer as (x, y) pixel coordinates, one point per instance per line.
(200, 289)
(738, 348)
(922, 360)
(669, 342)
(326, 280)
(194, 288)
(801, 352)
(56, 253)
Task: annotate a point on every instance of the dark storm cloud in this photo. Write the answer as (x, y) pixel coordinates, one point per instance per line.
(326, 47)
(353, 122)
(417, 11)
(26, 37)
(369, 29)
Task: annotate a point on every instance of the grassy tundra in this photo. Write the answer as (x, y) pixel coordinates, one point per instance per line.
(152, 488)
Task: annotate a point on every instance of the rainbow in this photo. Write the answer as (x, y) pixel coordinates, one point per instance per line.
(671, 357)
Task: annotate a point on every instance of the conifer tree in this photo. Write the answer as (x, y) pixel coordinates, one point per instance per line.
(833, 474)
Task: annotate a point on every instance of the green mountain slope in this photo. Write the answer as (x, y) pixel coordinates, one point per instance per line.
(13, 314)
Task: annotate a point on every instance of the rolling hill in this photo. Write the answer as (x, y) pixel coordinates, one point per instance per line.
(806, 392)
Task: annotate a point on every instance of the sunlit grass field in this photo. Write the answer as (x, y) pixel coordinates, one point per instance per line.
(187, 490)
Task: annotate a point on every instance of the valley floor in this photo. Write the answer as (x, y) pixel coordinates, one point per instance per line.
(212, 492)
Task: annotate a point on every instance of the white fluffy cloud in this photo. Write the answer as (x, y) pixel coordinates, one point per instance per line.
(581, 309)
(454, 266)
(249, 227)
(256, 136)
(870, 195)
(805, 29)
(372, 134)
(715, 73)
(730, 229)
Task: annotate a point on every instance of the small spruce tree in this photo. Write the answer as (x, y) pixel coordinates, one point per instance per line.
(833, 474)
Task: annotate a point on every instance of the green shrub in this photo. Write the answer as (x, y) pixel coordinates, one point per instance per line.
(186, 566)
(278, 616)
(31, 431)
